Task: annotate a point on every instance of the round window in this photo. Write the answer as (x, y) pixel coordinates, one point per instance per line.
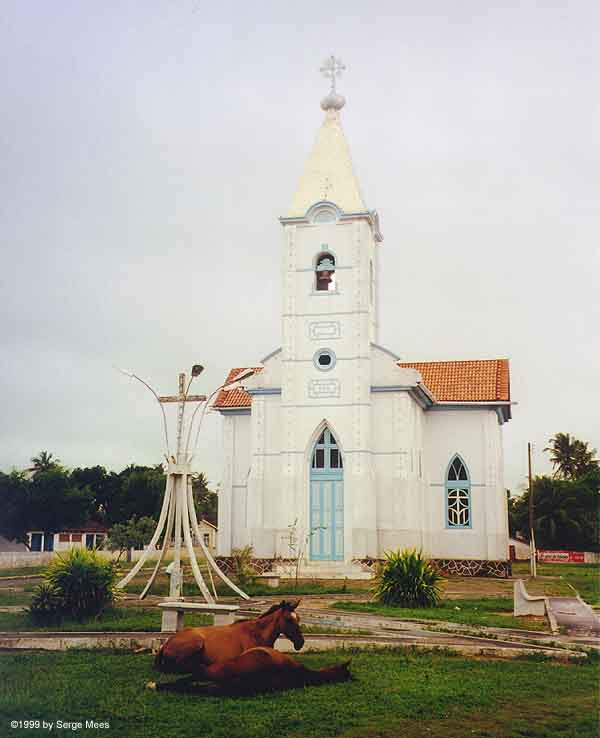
(324, 360)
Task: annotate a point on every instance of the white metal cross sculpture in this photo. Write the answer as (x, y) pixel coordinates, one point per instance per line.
(332, 68)
(177, 520)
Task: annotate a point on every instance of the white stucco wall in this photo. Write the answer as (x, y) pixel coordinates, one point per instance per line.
(395, 452)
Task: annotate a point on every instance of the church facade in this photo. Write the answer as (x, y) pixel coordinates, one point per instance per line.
(335, 441)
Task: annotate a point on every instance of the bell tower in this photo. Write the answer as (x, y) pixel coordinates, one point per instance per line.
(329, 321)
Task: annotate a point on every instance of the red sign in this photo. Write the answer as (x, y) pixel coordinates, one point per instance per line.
(562, 557)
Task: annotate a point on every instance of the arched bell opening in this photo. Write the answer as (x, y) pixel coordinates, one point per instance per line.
(326, 532)
(325, 272)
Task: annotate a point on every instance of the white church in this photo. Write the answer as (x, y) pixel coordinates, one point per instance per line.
(333, 437)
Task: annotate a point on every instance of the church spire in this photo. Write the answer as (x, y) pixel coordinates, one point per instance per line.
(328, 172)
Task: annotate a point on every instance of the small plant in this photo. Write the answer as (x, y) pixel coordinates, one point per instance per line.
(46, 605)
(297, 545)
(407, 579)
(79, 585)
(242, 566)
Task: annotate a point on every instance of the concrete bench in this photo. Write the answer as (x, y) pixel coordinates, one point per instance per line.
(173, 613)
(270, 579)
(526, 604)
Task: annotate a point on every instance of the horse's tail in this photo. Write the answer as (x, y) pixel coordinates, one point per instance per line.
(337, 673)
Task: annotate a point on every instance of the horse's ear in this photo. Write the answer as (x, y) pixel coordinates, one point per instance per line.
(294, 605)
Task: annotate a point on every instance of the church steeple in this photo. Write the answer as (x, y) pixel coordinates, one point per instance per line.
(328, 173)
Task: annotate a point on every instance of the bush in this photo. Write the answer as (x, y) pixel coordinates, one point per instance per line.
(408, 579)
(78, 585)
(46, 605)
(242, 566)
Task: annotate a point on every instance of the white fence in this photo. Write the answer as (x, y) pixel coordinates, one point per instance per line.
(22, 559)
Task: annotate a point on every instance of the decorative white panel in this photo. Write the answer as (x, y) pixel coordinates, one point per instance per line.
(318, 388)
(324, 329)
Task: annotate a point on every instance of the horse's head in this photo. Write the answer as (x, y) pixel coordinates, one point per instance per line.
(288, 621)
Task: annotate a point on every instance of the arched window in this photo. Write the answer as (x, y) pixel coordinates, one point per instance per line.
(326, 454)
(458, 495)
(325, 273)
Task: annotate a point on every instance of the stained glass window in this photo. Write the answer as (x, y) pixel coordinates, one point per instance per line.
(458, 495)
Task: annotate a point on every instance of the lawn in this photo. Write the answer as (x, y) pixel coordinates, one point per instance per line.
(16, 595)
(19, 571)
(287, 587)
(119, 619)
(490, 612)
(392, 693)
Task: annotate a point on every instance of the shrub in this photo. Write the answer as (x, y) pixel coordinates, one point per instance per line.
(407, 579)
(46, 605)
(83, 581)
(242, 566)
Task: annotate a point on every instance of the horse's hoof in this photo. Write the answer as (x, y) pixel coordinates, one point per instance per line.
(151, 685)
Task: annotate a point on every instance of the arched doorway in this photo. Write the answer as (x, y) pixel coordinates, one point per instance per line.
(326, 500)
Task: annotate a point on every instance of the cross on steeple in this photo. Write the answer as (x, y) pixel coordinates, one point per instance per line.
(332, 68)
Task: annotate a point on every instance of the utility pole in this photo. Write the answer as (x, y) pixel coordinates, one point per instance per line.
(533, 565)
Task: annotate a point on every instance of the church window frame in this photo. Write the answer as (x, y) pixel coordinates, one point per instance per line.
(320, 364)
(325, 264)
(327, 454)
(457, 488)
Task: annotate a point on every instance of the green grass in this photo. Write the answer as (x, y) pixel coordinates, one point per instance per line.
(119, 619)
(15, 596)
(23, 571)
(585, 578)
(491, 612)
(394, 693)
(286, 587)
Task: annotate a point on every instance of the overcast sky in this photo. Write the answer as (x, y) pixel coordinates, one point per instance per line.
(148, 148)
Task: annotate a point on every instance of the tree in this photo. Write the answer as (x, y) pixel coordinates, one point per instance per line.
(566, 512)
(50, 501)
(139, 491)
(44, 462)
(570, 457)
(134, 534)
(104, 486)
(55, 501)
(205, 500)
(584, 459)
(14, 503)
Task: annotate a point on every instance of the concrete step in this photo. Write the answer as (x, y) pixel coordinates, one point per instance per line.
(325, 570)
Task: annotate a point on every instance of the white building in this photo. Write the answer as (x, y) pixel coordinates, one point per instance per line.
(333, 435)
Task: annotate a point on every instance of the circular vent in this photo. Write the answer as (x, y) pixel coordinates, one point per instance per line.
(324, 360)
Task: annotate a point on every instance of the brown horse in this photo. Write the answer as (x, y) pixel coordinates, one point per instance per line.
(260, 669)
(191, 650)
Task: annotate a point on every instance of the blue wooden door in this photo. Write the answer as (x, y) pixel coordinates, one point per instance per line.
(326, 500)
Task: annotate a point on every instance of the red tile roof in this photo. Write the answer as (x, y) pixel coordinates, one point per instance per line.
(235, 397)
(481, 380)
(90, 526)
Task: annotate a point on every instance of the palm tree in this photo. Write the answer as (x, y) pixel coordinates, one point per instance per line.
(44, 462)
(562, 450)
(570, 457)
(584, 458)
(561, 515)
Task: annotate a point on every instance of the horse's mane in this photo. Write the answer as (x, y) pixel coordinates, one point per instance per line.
(271, 610)
(284, 604)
